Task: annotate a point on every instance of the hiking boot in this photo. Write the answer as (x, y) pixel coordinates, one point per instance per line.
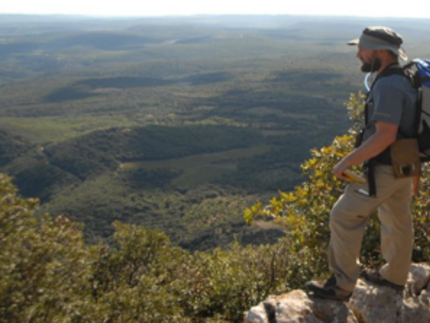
(373, 276)
(328, 290)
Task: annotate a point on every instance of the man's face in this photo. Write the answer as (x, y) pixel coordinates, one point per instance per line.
(369, 60)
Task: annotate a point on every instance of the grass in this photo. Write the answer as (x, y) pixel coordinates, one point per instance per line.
(262, 111)
(202, 174)
(202, 168)
(57, 129)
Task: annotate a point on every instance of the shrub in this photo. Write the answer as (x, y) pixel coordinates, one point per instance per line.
(49, 274)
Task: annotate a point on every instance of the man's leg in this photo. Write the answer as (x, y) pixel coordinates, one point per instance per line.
(397, 235)
(347, 224)
(348, 219)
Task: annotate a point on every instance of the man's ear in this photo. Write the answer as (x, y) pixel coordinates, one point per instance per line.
(379, 53)
(382, 53)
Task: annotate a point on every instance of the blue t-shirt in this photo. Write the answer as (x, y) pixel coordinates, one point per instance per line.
(392, 100)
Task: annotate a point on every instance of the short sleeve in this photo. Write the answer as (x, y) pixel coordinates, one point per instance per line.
(388, 104)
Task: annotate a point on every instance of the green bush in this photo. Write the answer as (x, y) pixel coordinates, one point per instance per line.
(44, 264)
(49, 274)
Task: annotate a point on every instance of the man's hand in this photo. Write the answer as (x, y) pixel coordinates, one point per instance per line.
(384, 136)
(339, 169)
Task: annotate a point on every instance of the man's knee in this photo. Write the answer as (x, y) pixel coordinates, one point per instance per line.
(340, 215)
(336, 216)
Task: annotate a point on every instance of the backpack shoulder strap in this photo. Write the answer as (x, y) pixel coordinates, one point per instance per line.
(402, 71)
(370, 164)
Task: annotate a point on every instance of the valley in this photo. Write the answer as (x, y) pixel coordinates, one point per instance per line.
(176, 124)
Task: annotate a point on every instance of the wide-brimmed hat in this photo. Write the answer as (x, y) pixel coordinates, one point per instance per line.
(381, 38)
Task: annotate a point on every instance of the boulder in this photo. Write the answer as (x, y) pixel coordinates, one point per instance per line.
(418, 278)
(369, 304)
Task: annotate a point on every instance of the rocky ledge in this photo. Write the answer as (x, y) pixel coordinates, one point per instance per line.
(369, 304)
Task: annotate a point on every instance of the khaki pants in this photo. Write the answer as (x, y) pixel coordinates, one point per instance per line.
(348, 220)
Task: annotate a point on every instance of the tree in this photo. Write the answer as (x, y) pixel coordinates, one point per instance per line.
(44, 263)
(49, 274)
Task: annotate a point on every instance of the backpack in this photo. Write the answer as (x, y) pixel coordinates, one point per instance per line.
(419, 73)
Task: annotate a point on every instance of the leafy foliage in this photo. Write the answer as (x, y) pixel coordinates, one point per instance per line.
(48, 273)
(43, 263)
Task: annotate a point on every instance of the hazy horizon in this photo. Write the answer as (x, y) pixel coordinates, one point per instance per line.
(129, 8)
(208, 15)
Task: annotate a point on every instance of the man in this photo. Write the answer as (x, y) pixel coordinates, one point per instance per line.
(391, 112)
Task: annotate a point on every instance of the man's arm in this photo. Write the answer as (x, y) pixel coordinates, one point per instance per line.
(384, 136)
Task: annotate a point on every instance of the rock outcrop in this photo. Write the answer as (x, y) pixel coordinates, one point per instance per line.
(368, 304)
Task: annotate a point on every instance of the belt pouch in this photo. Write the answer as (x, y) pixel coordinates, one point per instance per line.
(405, 158)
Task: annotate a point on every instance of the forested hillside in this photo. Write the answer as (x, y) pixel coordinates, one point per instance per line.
(177, 124)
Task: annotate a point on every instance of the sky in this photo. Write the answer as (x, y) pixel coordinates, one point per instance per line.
(365, 8)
